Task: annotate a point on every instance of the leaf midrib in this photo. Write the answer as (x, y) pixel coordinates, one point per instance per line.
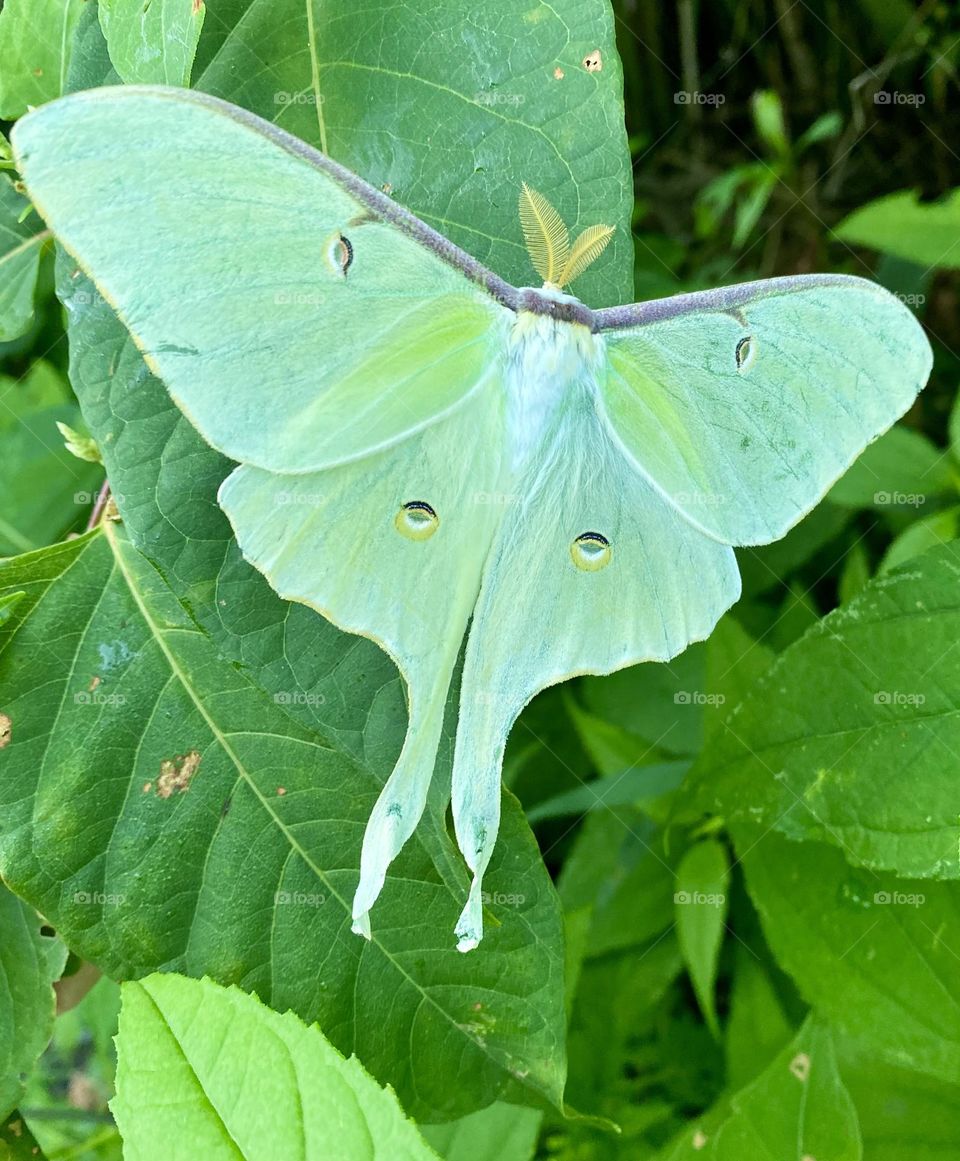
(218, 735)
(33, 240)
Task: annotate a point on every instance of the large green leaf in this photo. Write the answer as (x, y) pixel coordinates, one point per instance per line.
(899, 223)
(36, 39)
(449, 107)
(212, 1073)
(797, 1109)
(875, 953)
(901, 470)
(30, 961)
(21, 243)
(847, 738)
(165, 813)
(903, 1116)
(152, 43)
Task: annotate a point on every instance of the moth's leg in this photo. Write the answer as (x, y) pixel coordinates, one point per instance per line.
(402, 799)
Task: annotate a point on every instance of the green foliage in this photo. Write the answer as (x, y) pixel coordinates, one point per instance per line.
(474, 99)
(36, 42)
(798, 1107)
(152, 44)
(924, 233)
(191, 752)
(799, 764)
(17, 1143)
(30, 960)
(46, 490)
(210, 1070)
(701, 899)
(22, 237)
(867, 694)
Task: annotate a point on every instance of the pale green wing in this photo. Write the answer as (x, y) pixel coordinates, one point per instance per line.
(358, 543)
(743, 405)
(299, 317)
(555, 601)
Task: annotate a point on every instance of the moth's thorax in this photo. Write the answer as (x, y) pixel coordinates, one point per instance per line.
(548, 359)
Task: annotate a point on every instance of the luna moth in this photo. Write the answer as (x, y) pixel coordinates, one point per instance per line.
(427, 454)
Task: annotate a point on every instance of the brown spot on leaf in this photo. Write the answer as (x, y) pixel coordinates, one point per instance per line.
(94, 682)
(800, 1066)
(281, 790)
(387, 187)
(699, 1139)
(593, 61)
(6, 728)
(147, 787)
(176, 773)
(197, 6)
(558, 74)
(38, 72)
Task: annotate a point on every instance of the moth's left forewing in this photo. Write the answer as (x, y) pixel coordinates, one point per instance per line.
(743, 406)
(297, 316)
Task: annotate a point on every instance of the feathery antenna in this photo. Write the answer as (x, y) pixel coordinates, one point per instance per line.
(548, 241)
